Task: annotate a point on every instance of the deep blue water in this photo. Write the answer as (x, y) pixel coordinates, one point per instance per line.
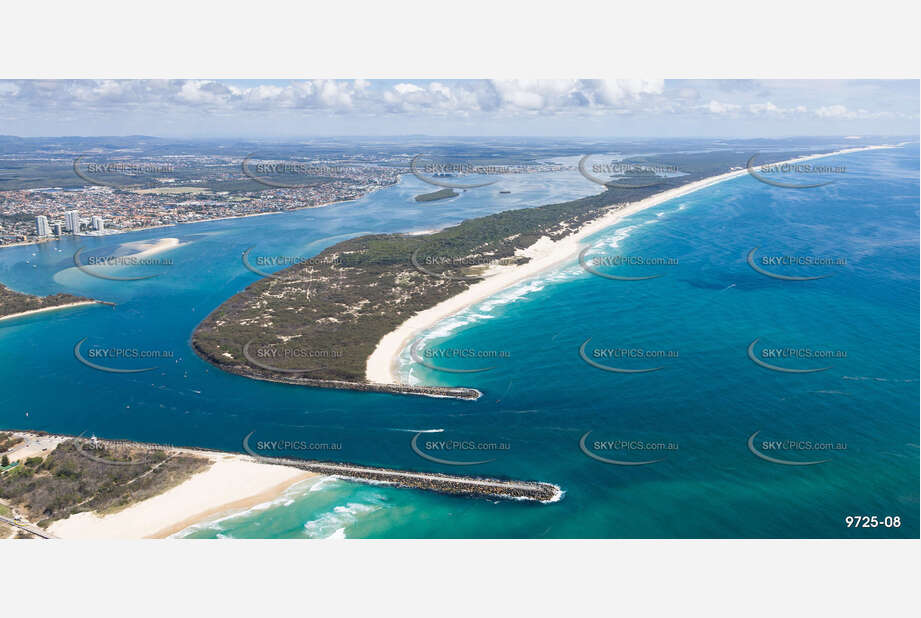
(540, 398)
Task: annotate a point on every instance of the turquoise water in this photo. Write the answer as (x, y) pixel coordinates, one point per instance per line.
(540, 397)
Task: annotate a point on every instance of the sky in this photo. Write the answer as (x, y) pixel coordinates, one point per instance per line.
(201, 108)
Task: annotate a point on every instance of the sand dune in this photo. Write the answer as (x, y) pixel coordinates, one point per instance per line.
(232, 482)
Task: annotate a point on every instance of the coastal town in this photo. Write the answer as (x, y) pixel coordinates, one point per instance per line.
(116, 192)
(36, 215)
(106, 198)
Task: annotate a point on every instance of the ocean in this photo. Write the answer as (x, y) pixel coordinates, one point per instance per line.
(709, 417)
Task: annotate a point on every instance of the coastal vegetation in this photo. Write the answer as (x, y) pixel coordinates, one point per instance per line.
(321, 319)
(437, 195)
(13, 302)
(67, 481)
(6, 531)
(8, 441)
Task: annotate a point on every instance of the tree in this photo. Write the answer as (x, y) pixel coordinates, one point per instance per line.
(4, 461)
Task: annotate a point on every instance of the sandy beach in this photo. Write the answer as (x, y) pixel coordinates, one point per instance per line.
(43, 309)
(145, 248)
(231, 483)
(135, 252)
(381, 366)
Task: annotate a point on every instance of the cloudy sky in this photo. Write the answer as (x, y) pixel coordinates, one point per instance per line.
(589, 108)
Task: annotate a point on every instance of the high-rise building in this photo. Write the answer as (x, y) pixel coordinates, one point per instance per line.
(72, 221)
(98, 224)
(41, 226)
(57, 229)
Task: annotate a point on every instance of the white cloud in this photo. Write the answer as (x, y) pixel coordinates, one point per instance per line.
(715, 107)
(614, 91)
(771, 109)
(405, 89)
(562, 94)
(204, 93)
(460, 98)
(833, 111)
(764, 108)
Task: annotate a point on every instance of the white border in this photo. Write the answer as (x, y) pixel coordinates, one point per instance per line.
(461, 578)
(474, 38)
(468, 38)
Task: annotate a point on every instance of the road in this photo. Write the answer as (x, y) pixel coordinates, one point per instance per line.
(28, 528)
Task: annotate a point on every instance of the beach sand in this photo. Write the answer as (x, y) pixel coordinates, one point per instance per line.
(43, 309)
(231, 483)
(382, 365)
(145, 248)
(134, 252)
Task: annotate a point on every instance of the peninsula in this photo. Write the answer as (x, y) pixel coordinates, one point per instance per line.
(15, 304)
(341, 319)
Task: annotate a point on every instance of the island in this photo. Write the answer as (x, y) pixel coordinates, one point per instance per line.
(437, 195)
